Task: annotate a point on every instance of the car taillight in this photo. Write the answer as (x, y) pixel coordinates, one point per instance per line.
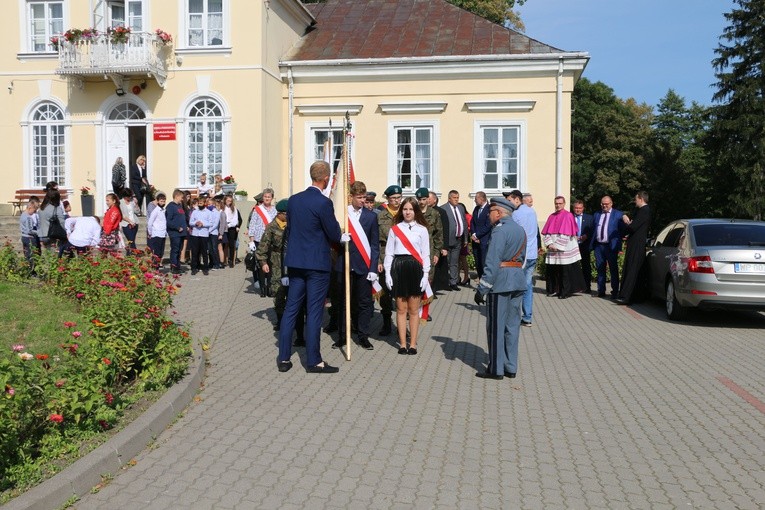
(700, 265)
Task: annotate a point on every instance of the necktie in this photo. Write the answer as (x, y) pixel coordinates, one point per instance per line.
(603, 238)
(457, 219)
(579, 226)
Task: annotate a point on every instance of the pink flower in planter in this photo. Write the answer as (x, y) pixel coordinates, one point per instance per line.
(76, 334)
(56, 418)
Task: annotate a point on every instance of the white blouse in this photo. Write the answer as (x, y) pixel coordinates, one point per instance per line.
(417, 235)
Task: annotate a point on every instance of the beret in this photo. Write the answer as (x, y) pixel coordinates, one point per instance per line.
(421, 193)
(504, 203)
(393, 189)
(281, 205)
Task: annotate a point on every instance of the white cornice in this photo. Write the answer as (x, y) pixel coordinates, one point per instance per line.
(501, 105)
(328, 109)
(298, 10)
(433, 67)
(414, 107)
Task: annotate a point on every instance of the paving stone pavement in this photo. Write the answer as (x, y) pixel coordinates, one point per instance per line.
(613, 407)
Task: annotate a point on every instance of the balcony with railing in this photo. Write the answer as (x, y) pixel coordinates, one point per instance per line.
(116, 58)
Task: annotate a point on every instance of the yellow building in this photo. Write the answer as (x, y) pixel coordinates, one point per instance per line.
(437, 97)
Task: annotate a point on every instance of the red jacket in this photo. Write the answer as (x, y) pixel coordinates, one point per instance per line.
(112, 218)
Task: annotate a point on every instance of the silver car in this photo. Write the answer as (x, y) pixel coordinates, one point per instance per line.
(708, 264)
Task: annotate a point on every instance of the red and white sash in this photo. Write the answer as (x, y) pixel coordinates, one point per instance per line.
(361, 242)
(262, 213)
(427, 295)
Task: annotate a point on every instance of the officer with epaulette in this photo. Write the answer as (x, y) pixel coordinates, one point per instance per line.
(270, 257)
(434, 226)
(385, 220)
(503, 285)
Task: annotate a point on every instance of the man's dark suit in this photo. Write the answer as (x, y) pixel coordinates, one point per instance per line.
(633, 260)
(481, 228)
(311, 227)
(453, 243)
(362, 303)
(607, 252)
(586, 226)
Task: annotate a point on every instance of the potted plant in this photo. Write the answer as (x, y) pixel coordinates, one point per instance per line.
(240, 195)
(163, 36)
(119, 35)
(229, 184)
(87, 201)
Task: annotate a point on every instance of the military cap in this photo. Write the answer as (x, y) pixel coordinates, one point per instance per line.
(259, 197)
(502, 202)
(371, 194)
(203, 195)
(393, 189)
(281, 205)
(421, 193)
(506, 193)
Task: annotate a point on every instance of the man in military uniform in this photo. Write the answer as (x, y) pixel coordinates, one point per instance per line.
(502, 287)
(385, 220)
(369, 203)
(270, 257)
(434, 226)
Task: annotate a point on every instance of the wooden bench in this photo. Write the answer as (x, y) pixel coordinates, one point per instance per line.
(23, 195)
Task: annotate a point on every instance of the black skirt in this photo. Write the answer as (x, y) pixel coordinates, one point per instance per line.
(407, 275)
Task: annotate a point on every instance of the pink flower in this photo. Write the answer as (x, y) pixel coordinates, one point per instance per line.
(139, 301)
(76, 334)
(10, 390)
(80, 295)
(69, 324)
(17, 347)
(60, 383)
(109, 398)
(56, 418)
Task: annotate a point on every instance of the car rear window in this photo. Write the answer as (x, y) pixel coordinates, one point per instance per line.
(729, 234)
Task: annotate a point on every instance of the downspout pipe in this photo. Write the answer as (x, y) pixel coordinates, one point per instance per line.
(291, 123)
(559, 130)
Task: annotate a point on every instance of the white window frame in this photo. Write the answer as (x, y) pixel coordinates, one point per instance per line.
(478, 159)
(184, 15)
(435, 150)
(103, 17)
(186, 176)
(311, 128)
(25, 34)
(28, 133)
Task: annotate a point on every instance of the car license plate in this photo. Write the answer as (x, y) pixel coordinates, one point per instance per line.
(741, 267)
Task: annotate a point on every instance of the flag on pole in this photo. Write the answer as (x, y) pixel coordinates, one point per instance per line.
(328, 159)
(339, 194)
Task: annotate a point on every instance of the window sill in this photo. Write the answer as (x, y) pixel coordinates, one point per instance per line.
(204, 50)
(37, 55)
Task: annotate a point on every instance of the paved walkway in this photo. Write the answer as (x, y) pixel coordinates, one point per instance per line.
(613, 407)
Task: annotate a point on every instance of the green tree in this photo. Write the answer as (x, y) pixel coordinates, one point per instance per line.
(610, 139)
(737, 135)
(498, 11)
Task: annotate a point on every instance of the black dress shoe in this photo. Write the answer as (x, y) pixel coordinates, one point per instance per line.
(284, 365)
(330, 328)
(620, 301)
(403, 350)
(337, 345)
(366, 344)
(325, 369)
(599, 294)
(412, 351)
(430, 318)
(454, 287)
(487, 375)
(562, 296)
(511, 375)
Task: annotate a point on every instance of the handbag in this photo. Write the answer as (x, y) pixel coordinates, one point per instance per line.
(55, 229)
(249, 260)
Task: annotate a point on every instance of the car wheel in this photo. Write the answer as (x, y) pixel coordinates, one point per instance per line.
(675, 311)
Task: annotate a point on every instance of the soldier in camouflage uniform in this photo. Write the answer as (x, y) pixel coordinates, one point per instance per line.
(434, 226)
(385, 221)
(270, 257)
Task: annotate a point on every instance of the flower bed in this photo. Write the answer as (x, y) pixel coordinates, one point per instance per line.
(76, 385)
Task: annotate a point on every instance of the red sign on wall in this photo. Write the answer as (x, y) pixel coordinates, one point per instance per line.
(164, 131)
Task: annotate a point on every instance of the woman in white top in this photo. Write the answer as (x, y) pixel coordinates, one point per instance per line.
(406, 269)
(233, 222)
(129, 221)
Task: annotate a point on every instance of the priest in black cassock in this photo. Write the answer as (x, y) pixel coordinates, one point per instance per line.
(637, 230)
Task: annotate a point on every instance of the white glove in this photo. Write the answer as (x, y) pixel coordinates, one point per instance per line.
(345, 238)
(372, 277)
(389, 281)
(424, 283)
(252, 246)
(285, 281)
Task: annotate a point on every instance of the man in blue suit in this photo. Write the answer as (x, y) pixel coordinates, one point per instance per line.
(311, 227)
(364, 250)
(481, 228)
(607, 243)
(585, 226)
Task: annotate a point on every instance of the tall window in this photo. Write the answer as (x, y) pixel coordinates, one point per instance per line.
(500, 157)
(204, 140)
(126, 111)
(48, 145)
(414, 157)
(320, 137)
(205, 22)
(46, 19)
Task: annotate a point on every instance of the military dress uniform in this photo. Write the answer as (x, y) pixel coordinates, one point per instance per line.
(435, 229)
(385, 222)
(503, 284)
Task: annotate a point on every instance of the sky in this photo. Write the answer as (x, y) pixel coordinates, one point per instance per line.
(639, 48)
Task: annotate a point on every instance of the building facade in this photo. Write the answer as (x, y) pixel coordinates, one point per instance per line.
(437, 97)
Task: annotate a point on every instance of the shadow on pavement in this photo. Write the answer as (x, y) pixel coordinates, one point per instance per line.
(704, 318)
(470, 354)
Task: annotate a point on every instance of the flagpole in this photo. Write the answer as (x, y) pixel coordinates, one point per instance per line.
(346, 155)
